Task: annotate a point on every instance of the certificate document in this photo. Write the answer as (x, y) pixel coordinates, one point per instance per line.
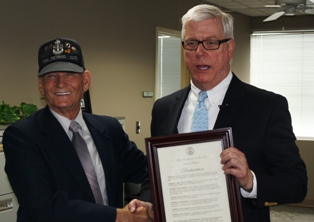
(187, 180)
(192, 183)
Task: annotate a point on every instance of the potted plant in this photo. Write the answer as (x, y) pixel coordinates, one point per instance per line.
(10, 114)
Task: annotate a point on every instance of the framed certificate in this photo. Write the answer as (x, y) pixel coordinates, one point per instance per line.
(187, 180)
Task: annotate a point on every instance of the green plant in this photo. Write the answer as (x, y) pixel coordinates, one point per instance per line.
(10, 114)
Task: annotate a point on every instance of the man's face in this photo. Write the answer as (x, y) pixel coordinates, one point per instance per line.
(63, 91)
(207, 68)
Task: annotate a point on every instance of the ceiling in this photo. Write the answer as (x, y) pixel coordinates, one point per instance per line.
(251, 8)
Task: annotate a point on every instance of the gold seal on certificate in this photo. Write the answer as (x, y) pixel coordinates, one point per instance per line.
(187, 180)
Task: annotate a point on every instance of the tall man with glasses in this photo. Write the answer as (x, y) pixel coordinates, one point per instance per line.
(265, 159)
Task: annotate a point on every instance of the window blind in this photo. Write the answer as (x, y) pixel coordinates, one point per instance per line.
(283, 62)
(169, 65)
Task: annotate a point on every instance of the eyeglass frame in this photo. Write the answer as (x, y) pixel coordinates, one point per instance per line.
(199, 42)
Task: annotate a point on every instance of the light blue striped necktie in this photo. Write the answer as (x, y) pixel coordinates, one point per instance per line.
(200, 116)
(86, 160)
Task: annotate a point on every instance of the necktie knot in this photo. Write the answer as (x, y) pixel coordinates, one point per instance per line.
(74, 126)
(202, 96)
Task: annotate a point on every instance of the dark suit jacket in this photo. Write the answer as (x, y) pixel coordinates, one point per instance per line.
(261, 126)
(46, 174)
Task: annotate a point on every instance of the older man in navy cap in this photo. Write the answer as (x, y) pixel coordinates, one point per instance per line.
(67, 165)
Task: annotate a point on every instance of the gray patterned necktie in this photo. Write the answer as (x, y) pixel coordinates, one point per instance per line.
(86, 160)
(200, 117)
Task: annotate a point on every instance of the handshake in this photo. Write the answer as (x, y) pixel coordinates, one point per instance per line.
(136, 211)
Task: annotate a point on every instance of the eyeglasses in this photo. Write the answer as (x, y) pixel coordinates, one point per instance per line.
(207, 44)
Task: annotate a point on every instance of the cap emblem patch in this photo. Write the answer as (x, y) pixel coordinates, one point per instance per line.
(57, 47)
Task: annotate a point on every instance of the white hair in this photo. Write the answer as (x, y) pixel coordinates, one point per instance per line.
(204, 11)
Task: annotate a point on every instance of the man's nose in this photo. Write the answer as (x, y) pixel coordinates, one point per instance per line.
(61, 80)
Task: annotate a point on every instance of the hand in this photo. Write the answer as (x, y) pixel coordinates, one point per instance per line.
(136, 211)
(135, 203)
(235, 163)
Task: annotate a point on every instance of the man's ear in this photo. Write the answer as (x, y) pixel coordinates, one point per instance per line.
(87, 79)
(231, 44)
(40, 85)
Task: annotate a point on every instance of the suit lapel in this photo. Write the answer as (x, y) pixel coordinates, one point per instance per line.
(176, 109)
(60, 144)
(104, 148)
(231, 107)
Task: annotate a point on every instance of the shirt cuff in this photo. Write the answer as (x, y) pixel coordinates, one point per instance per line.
(253, 193)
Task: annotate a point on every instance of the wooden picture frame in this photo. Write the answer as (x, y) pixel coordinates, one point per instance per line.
(187, 181)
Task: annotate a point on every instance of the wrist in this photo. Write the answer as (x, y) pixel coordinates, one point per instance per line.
(121, 216)
(249, 185)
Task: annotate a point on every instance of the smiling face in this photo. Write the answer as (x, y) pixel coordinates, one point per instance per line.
(207, 68)
(63, 91)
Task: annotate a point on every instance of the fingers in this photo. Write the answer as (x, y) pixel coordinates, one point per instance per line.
(137, 206)
(133, 205)
(148, 212)
(235, 163)
(141, 214)
(232, 158)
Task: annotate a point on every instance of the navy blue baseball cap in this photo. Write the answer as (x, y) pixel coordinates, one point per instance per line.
(60, 55)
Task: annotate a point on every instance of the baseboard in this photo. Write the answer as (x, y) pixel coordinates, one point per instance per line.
(305, 203)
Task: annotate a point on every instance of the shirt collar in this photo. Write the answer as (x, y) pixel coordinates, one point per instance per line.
(65, 122)
(215, 92)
